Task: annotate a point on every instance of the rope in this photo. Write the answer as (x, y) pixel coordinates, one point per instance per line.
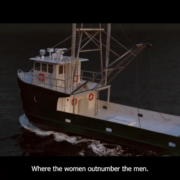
(62, 42)
(151, 82)
(65, 52)
(137, 80)
(81, 42)
(116, 45)
(126, 35)
(118, 42)
(66, 35)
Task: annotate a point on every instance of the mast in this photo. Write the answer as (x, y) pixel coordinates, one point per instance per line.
(107, 48)
(73, 45)
(90, 33)
(101, 56)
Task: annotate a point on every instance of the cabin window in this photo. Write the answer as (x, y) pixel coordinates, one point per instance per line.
(37, 66)
(60, 69)
(50, 68)
(44, 67)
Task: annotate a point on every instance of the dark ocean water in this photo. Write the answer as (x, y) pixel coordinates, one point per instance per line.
(158, 85)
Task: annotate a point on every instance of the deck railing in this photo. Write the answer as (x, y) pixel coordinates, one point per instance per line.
(85, 75)
(54, 83)
(30, 78)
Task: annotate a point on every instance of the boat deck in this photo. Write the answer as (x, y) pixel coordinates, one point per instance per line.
(153, 121)
(126, 115)
(27, 77)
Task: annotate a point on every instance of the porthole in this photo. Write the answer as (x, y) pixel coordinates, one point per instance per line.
(36, 98)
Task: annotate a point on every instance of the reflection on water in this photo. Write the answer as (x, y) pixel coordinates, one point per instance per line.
(36, 142)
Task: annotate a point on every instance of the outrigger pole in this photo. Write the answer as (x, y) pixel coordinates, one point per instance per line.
(125, 58)
(73, 45)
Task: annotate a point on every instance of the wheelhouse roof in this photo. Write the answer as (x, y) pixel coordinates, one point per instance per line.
(48, 59)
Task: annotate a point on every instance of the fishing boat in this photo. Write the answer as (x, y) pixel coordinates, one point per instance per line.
(58, 95)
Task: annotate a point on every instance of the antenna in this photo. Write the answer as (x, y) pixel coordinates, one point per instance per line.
(60, 52)
(50, 50)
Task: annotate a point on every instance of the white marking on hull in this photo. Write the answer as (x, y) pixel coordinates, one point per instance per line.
(108, 129)
(68, 120)
(172, 144)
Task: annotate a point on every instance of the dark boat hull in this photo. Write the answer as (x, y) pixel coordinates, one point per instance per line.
(44, 115)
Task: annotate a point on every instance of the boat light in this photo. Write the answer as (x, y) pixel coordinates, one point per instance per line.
(42, 52)
(50, 50)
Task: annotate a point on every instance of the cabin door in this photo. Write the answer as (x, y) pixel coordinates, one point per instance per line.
(82, 106)
(67, 105)
(61, 104)
(64, 104)
(61, 76)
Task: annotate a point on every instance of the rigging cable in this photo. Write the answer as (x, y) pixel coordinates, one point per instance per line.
(126, 35)
(121, 45)
(151, 81)
(66, 35)
(64, 52)
(62, 41)
(137, 86)
(116, 45)
(117, 42)
(59, 59)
